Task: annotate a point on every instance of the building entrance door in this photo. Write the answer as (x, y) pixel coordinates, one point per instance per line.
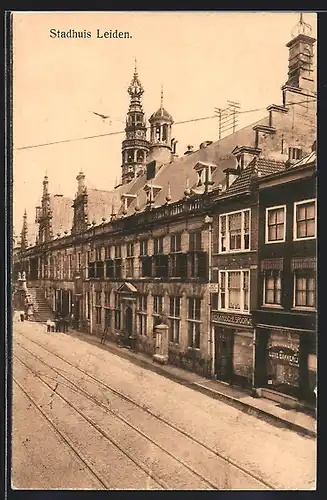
(129, 321)
(224, 353)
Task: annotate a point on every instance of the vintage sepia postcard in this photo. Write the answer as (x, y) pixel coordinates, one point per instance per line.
(164, 251)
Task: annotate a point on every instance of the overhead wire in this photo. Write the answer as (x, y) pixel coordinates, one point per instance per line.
(120, 132)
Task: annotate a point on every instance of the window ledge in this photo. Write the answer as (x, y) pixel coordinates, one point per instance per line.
(305, 239)
(300, 308)
(274, 241)
(234, 311)
(272, 306)
(228, 252)
(193, 348)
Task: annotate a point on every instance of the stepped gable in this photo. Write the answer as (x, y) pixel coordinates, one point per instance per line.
(62, 214)
(176, 172)
(258, 167)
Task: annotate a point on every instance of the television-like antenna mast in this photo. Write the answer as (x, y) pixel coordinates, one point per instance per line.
(228, 117)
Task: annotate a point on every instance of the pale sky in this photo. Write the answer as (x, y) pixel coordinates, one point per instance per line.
(202, 59)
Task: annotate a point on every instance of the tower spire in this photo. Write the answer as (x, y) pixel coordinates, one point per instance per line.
(135, 146)
(23, 234)
(161, 97)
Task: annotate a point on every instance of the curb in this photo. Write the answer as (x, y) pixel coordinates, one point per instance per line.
(236, 403)
(256, 412)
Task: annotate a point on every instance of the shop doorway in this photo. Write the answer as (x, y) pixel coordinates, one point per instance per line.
(224, 353)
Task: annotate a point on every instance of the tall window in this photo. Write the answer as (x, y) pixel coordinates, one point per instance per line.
(129, 260)
(304, 288)
(98, 308)
(175, 242)
(70, 266)
(79, 262)
(195, 241)
(234, 291)
(117, 263)
(143, 247)
(234, 231)
(117, 312)
(305, 220)
(157, 304)
(275, 224)
(174, 319)
(272, 287)
(158, 244)
(194, 322)
(142, 314)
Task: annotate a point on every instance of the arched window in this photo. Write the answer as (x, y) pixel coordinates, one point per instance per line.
(165, 132)
(130, 156)
(140, 156)
(157, 133)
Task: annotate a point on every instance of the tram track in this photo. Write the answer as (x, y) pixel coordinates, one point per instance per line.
(80, 391)
(63, 438)
(119, 394)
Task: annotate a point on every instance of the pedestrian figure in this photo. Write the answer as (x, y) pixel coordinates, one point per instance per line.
(48, 323)
(22, 315)
(65, 323)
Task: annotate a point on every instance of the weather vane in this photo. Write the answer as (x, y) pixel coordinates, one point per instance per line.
(301, 28)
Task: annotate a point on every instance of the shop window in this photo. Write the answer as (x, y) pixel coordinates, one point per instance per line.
(243, 355)
(283, 361)
(234, 291)
(174, 319)
(305, 220)
(272, 287)
(194, 322)
(234, 231)
(304, 288)
(276, 224)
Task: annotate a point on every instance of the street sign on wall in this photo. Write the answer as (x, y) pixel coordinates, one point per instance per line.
(213, 287)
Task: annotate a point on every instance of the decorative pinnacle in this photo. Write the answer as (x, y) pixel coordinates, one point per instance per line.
(135, 66)
(161, 97)
(301, 28)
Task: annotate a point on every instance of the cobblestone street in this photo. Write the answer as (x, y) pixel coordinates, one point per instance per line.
(85, 418)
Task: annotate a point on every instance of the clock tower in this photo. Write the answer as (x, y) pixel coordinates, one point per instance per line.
(135, 147)
(300, 63)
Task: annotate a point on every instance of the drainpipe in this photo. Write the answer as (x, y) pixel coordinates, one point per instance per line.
(211, 347)
(91, 307)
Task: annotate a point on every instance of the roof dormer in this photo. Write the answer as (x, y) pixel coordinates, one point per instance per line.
(205, 171)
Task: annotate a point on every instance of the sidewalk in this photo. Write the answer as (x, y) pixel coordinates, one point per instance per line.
(262, 408)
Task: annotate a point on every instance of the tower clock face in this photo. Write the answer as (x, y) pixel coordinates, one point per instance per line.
(138, 133)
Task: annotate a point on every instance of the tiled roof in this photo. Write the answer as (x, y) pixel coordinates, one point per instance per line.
(176, 172)
(62, 214)
(310, 158)
(259, 167)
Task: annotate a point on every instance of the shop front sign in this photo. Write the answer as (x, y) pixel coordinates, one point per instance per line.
(284, 354)
(231, 319)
